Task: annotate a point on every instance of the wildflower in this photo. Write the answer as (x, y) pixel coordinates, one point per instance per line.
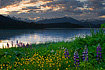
(23, 45)
(62, 48)
(12, 43)
(99, 54)
(76, 59)
(66, 53)
(85, 54)
(52, 51)
(20, 44)
(17, 42)
(7, 45)
(55, 53)
(27, 45)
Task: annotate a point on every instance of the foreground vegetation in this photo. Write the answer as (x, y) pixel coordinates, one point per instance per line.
(51, 56)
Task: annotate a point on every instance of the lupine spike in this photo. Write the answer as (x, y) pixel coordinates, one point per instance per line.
(99, 54)
(66, 53)
(12, 43)
(85, 54)
(7, 45)
(76, 59)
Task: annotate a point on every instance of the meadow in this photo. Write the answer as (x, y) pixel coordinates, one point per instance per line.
(79, 54)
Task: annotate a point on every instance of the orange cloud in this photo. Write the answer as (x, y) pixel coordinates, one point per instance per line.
(91, 9)
(102, 16)
(22, 4)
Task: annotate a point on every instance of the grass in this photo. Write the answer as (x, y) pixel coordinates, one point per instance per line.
(40, 57)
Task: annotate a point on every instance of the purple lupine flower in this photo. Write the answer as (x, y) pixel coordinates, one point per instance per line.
(12, 43)
(18, 45)
(7, 45)
(66, 53)
(85, 54)
(23, 45)
(99, 54)
(76, 59)
(17, 42)
(27, 45)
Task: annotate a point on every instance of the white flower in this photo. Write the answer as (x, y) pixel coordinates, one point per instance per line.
(52, 51)
(55, 53)
(62, 48)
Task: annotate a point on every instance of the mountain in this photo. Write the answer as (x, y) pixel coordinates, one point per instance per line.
(9, 23)
(65, 22)
(70, 21)
(59, 20)
(93, 21)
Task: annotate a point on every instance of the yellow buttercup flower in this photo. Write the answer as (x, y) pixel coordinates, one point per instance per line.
(66, 61)
(10, 67)
(71, 50)
(1, 67)
(68, 65)
(38, 64)
(69, 61)
(66, 68)
(57, 69)
(3, 64)
(6, 64)
(59, 65)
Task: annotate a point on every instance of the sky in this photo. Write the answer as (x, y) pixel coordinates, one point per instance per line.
(47, 9)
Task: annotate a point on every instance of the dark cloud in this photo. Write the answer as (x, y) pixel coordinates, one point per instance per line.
(5, 3)
(72, 8)
(96, 4)
(33, 7)
(101, 12)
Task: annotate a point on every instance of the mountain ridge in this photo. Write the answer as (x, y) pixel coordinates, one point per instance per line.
(65, 22)
(59, 20)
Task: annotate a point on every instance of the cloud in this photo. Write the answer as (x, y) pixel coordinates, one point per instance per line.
(53, 8)
(96, 4)
(34, 7)
(5, 3)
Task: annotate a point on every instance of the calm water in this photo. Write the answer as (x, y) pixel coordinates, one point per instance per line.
(41, 36)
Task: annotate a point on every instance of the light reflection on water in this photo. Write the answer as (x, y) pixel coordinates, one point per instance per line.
(40, 36)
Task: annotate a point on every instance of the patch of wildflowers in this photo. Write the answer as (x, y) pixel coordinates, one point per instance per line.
(99, 54)
(66, 53)
(85, 54)
(27, 45)
(7, 45)
(12, 43)
(76, 59)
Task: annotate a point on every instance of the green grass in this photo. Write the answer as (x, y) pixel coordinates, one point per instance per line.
(40, 57)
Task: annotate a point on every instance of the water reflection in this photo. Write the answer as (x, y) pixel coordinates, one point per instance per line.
(40, 36)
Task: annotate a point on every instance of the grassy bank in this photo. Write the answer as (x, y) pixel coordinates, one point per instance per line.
(50, 56)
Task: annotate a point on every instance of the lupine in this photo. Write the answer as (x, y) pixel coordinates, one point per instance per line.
(17, 42)
(85, 54)
(76, 59)
(7, 45)
(23, 45)
(99, 54)
(27, 45)
(20, 44)
(66, 53)
(12, 43)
